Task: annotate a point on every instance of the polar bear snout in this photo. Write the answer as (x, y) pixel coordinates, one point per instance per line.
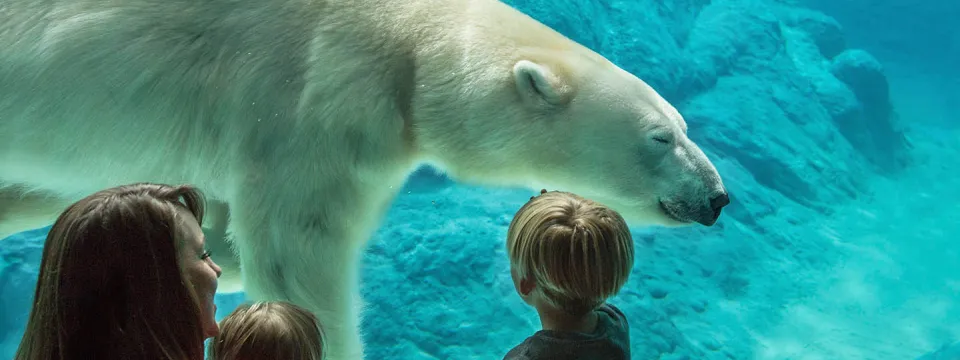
(690, 190)
(705, 212)
(708, 213)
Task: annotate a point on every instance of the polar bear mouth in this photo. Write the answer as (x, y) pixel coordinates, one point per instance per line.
(670, 213)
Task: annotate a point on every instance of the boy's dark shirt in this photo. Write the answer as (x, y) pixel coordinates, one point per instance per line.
(610, 341)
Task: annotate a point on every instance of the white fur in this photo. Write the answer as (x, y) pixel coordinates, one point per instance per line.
(303, 119)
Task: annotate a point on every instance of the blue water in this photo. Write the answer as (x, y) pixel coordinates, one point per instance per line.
(841, 242)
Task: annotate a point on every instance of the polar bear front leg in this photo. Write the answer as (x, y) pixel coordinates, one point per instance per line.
(215, 220)
(305, 247)
(320, 276)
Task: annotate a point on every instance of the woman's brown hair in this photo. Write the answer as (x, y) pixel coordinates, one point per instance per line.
(111, 285)
(268, 330)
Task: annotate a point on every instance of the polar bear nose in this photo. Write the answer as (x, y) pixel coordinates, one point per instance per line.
(710, 215)
(717, 203)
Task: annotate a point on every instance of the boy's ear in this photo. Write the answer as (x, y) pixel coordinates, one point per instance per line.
(527, 286)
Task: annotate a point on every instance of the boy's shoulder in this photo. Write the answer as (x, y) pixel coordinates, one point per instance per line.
(519, 352)
(611, 340)
(614, 312)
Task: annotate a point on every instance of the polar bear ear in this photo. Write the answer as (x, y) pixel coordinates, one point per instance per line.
(535, 81)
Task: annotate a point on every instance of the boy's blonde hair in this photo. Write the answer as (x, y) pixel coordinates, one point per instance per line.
(268, 330)
(577, 251)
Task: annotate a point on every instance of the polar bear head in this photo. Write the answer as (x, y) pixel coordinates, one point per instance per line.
(571, 120)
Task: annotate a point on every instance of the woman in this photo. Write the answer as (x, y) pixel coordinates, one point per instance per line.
(124, 275)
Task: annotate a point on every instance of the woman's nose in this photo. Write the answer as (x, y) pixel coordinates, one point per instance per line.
(216, 268)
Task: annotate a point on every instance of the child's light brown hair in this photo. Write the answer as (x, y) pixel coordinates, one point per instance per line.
(577, 251)
(268, 330)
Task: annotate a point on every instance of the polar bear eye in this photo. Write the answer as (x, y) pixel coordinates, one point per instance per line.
(661, 139)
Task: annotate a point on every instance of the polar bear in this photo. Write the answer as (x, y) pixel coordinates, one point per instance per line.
(302, 119)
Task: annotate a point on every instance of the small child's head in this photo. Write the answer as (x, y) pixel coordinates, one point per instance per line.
(568, 252)
(268, 330)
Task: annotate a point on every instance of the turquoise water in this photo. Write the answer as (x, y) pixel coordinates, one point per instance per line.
(840, 243)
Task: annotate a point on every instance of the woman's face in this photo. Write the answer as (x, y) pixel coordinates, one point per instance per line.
(200, 272)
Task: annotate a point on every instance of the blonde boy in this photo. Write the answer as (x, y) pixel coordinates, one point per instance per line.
(568, 255)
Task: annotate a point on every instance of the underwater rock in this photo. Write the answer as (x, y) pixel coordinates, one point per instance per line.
(657, 290)
(733, 37)
(945, 352)
(661, 336)
(844, 108)
(867, 120)
(864, 75)
(780, 135)
(824, 30)
(427, 179)
(20, 258)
